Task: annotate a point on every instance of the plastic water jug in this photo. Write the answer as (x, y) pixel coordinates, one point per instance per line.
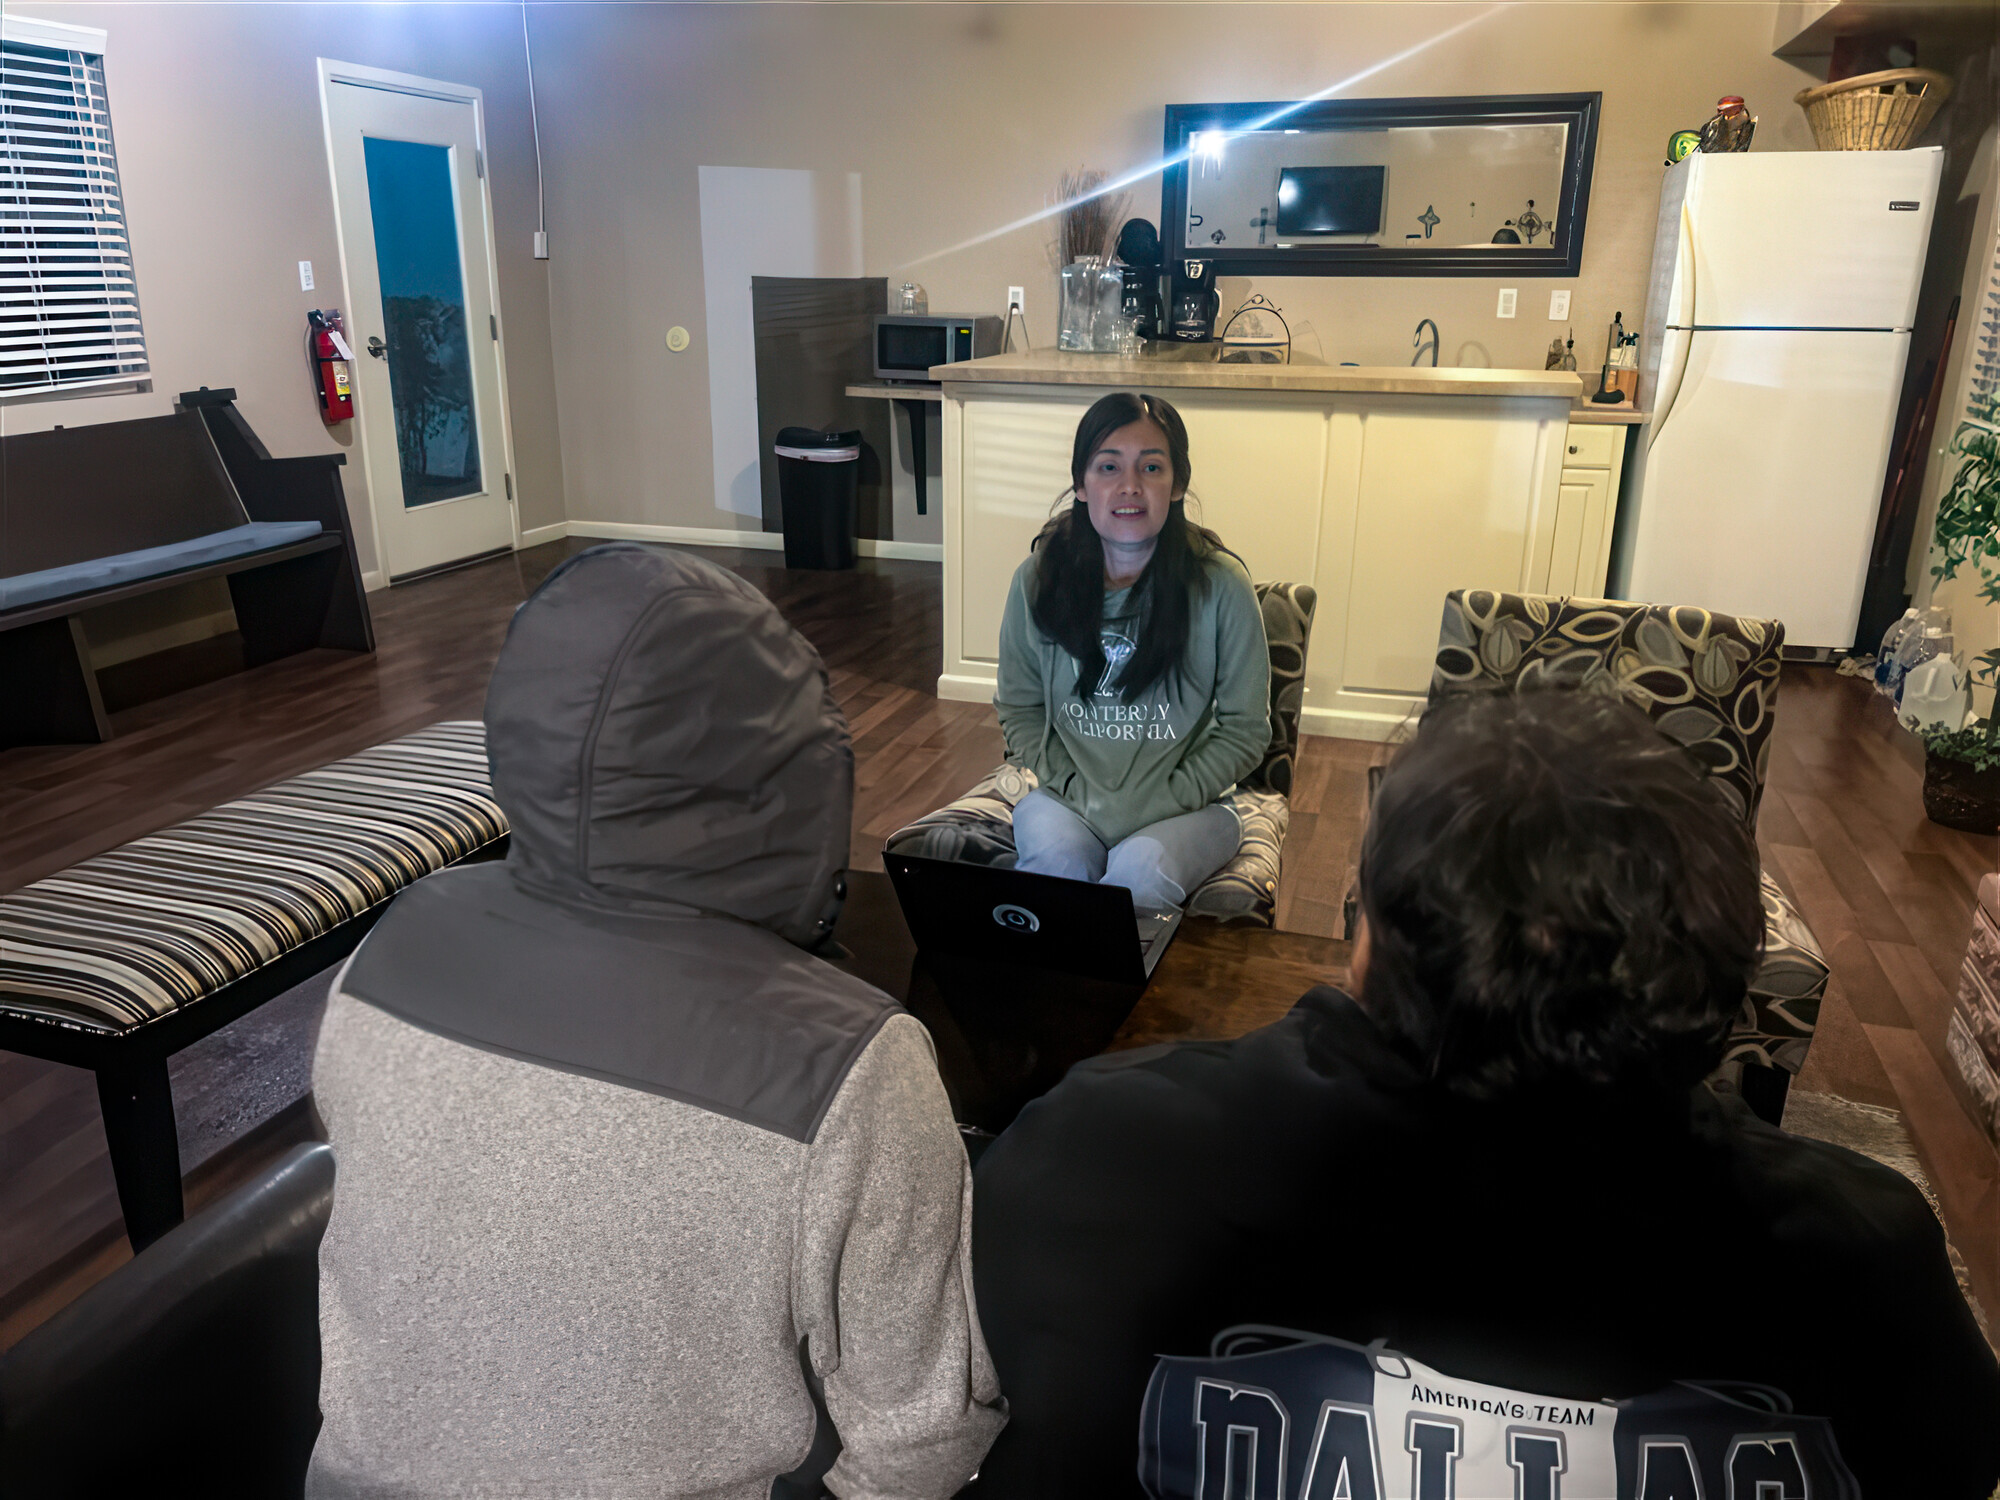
(1930, 637)
(1935, 695)
(1885, 658)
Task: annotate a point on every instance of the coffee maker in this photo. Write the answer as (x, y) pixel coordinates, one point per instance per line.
(1195, 304)
(1139, 250)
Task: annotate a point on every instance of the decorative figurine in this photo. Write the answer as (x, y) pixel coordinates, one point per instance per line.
(1731, 128)
(1682, 144)
(1528, 225)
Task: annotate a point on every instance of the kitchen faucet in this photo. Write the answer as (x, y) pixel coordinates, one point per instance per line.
(1417, 342)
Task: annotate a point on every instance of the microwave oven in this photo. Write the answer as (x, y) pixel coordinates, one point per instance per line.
(907, 347)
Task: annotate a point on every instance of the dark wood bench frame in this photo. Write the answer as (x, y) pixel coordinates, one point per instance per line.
(133, 1088)
(287, 599)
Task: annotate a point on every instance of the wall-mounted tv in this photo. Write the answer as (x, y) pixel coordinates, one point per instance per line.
(1330, 200)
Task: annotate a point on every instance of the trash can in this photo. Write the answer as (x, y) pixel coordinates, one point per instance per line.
(817, 474)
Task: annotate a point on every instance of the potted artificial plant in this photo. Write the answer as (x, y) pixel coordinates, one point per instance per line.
(1962, 766)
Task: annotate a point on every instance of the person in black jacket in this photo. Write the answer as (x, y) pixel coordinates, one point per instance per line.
(1477, 1229)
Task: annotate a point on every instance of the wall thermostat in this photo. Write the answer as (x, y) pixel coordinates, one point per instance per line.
(677, 338)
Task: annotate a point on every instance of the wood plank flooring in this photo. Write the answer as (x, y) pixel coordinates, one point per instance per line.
(1843, 829)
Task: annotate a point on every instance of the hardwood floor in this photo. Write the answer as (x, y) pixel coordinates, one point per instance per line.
(1889, 894)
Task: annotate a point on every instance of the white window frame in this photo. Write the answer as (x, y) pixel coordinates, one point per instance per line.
(111, 350)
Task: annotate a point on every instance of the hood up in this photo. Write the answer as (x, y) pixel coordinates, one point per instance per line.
(659, 736)
(679, 782)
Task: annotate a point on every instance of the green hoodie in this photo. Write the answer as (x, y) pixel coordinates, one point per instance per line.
(1182, 745)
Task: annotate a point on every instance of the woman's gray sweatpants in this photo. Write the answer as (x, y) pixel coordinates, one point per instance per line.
(1159, 864)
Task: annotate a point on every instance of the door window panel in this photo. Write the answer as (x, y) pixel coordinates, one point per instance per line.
(418, 259)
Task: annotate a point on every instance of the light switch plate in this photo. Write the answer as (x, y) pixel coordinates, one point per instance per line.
(305, 275)
(1509, 297)
(1558, 306)
(1016, 302)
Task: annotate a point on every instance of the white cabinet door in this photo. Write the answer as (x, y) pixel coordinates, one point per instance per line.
(1259, 473)
(1448, 500)
(1576, 560)
(1015, 468)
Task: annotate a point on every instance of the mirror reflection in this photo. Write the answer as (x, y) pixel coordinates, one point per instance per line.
(1423, 187)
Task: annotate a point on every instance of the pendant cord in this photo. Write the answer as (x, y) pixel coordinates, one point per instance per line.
(535, 123)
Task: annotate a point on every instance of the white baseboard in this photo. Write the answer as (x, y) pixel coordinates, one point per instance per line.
(686, 536)
(372, 583)
(1362, 723)
(869, 546)
(536, 536)
(956, 688)
(760, 541)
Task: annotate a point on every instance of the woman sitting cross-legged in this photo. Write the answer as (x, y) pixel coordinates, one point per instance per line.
(1134, 680)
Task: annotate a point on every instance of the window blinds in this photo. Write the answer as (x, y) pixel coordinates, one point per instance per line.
(1983, 378)
(69, 307)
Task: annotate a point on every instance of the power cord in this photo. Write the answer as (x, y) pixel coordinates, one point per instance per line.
(1007, 334)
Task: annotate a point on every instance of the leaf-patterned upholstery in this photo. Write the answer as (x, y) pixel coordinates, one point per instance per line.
(978, 827)
(1710, 682)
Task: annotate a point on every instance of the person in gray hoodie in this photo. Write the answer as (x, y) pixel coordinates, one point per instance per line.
(624, 1169)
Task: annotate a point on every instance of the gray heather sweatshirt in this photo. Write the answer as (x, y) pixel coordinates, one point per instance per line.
(615, 1152)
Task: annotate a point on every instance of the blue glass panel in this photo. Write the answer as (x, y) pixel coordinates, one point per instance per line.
(423, 315)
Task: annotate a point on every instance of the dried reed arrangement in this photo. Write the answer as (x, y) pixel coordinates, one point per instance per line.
(1090, 224)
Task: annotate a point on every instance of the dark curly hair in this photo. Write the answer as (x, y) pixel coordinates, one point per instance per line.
(1068, 601)
(1556, 901)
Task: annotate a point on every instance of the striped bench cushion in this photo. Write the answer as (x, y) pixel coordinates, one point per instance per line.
(137, 933)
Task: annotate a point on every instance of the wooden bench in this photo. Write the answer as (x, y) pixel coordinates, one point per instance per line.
(121, 961)
(93, 515)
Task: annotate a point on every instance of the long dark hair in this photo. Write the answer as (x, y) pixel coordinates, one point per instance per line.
(1068, 604)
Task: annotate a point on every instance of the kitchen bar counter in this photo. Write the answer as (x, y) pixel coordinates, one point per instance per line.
(1169, 370)
(1381, 487)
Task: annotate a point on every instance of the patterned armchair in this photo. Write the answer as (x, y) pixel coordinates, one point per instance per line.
(1709, 681)
(978, 827)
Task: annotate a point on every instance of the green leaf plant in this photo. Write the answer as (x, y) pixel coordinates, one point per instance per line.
(1968, 534)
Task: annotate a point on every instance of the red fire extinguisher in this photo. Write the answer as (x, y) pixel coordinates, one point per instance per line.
(333, 364)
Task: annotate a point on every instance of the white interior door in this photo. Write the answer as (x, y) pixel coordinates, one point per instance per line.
(1764, 476)
(415, 242)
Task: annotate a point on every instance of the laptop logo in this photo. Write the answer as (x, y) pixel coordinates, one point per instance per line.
(1903, 205)
(1017, 918)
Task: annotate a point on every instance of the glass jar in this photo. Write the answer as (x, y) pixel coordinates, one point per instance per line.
(912, 301)
(1076, 328)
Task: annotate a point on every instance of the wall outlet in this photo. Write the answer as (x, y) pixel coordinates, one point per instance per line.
(1558, 306)
(305, 275)
(1509, 297)
(1016, 299)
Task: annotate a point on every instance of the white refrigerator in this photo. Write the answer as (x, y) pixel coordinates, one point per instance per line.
(1784, 286)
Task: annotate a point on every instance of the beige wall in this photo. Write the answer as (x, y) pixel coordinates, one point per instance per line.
(223, 155)
(959, 119)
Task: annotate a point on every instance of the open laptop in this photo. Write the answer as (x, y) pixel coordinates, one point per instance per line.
(1037, 921)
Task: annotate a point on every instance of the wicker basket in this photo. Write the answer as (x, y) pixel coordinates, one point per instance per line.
(1875, 111)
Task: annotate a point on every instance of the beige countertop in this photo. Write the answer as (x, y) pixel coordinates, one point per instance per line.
(909, 391)
(1608, 416)
(1053, 367)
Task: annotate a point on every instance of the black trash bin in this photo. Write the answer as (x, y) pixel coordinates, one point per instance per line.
(817, 474)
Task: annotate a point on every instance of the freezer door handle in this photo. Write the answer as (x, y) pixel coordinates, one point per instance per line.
(1672, 373)
(1681, 314)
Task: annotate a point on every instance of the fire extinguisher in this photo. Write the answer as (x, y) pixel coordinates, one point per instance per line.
(332, 362)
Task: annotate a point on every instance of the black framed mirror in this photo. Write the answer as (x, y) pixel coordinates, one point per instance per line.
(1469, 186)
